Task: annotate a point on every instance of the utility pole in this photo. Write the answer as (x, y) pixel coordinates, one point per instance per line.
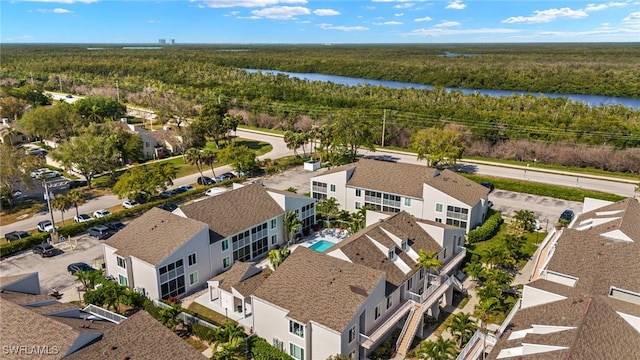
(384, 120)
(117, 91)
(46, 195)
(60, 81)
(31, 77)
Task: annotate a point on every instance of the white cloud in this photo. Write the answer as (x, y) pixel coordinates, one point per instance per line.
(389, 23)
(426, 18)
(249, 3)
(398, 15)
(545, 16)
(632, 20)
(404, 5)
(435, 32)
(326, 12)
(342, 28)
(56, 10)
(600, 7)
(280, 12)
(152, 21)
(446, 23)
(65, 1)
(456, 5)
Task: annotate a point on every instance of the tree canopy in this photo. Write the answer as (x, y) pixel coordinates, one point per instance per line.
(146, 180)
(438, 146)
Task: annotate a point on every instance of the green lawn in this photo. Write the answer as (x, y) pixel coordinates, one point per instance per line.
(533, 239)
(207, 313)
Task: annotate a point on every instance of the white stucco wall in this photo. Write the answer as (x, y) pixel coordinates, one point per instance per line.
(270, 322)
(144, 276)
(339, 179)
(324, 342)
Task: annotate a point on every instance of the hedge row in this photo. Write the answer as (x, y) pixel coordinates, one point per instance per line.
(487, 230)
(262, 350)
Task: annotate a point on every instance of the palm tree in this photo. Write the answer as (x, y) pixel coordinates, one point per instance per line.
(428, 260)
(475, 270)
(524, 220)
(112, 293)
(86, 278)
(210, 157)
(229, 342)
(60, 202)
(441, 349)
(485, 311)
(462, 328)
(194, 156)
(328, 208)
(291, 224)
(277, 256)
(76, 198)
(169, 317)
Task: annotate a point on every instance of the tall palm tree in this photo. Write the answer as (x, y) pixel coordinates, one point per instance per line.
(462, 328)
(291, 224)
(441, 349)
(76, 198)
(428, 260)
(277, 256)
(328, 209)
(475, 270)
(486, 311)
(169, 317)
(210, 157)
(194, 156)
(60, 202)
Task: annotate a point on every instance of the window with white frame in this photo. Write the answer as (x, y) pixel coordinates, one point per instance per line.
(226, 262)
(444, 254)
(274, 239)
(296, 328)
(457, 216)
(421, 273)
(405, 245)
(225, 244)
(192, 259)
(352, 334)
(319, 190)
(389, 302)
(274, 223)
(172, 281)
(251, 243)
(439, 220)
(333, 187)
(358, 192)
(122, 280)
(376, 313)
(407, 201)
(410, 284)
(358, 205)
(439, 207)
(121, 262)
(296, 351)
(278, 344)
(193, 278)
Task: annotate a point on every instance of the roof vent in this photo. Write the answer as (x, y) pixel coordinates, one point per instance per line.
(436, 173)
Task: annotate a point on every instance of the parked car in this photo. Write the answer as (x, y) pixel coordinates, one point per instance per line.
(240, 173)
(77, 183)
(185, 188)
(44, 250)
(45, 226)
(567, 215)
(488, 185)
(205, 180)
(215, 191)
(225, 176)
(128, 204)
(36, 173)
(82, 218)
(101, 213)
(168, 206)
(16, 235)
(79, 266)
(167, 193)
(100, 232)
(49, 174)
(115, 226)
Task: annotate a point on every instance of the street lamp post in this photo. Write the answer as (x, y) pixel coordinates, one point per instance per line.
(117, 91)
(48, 197)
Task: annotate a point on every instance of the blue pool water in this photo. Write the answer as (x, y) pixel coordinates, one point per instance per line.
(321, 246)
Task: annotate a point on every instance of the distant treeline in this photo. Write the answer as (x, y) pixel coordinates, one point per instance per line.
(207, 73)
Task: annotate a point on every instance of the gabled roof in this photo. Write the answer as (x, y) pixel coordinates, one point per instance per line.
(234, 211)
(320, 288)
(409, 180)
(155, 235)
(361, 247)
(244, 277)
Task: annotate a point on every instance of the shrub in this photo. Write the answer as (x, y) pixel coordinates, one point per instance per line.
(262, 350)
(387, 348)
(487, 230)
(23, 244)
(203, 332)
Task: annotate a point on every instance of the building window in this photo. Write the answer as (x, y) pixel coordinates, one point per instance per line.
(410, 284)
(439, 220)
(457, 216)
(250, 243)
(439, 208)
(382, 201)
(226, 262)
(172, 281)
(319, 190)
(192, 259)
(296, 351)
(274, 239)
(296, 328)
(333, 188)
(352, 334)
(444, 254)
(405, 245)
(278, 344)
(358, 205)
(358, 192)
(421, 273)
(274, 223)
(376, 313)
(407, 201)
(122, 280)
(225, 244)
(121, 262)
(193, 278)
(389, 302)
(392, 253)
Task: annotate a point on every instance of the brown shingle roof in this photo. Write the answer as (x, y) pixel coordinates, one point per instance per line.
(409, 179)
(244, 277)
(154, 235)
(361, 250)
(234, 211)
(138, 337)
(320, 288)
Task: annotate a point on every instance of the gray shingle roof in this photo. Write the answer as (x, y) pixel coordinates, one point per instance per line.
(154, 235)
(320, 288)
(244, 277)
(234, 211)
(409, 179)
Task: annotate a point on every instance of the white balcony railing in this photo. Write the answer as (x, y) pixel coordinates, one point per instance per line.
(104, 314)
(457, 259)
(382, 329)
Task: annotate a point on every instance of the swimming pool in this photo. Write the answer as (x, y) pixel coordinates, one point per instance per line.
(321, 246)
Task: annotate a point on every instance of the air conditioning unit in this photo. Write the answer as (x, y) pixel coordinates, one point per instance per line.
(98, 286)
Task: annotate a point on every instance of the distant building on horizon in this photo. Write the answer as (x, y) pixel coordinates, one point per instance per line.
(162, 41)
(172, 41)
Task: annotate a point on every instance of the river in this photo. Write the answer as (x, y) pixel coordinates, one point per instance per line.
(591, 100)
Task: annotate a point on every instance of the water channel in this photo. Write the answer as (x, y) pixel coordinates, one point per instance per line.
(591, 100)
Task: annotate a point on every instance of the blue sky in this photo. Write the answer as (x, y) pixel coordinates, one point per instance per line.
(310, 21)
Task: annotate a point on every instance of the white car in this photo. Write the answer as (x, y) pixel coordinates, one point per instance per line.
(101, 213)
(215, 191)
(186, 187)
(128, 204)
(82, 218)
(38, 173)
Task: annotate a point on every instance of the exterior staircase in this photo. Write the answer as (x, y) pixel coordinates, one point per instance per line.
(409, 330)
